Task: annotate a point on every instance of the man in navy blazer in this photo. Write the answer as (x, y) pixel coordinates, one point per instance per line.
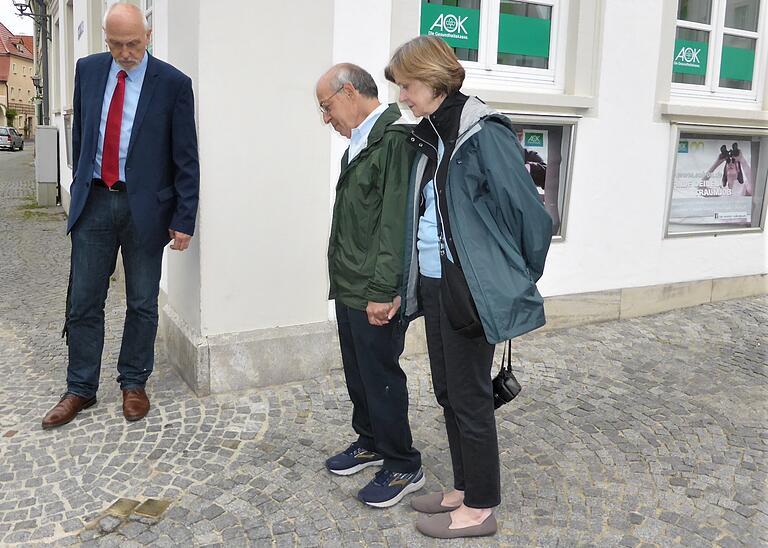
(135, 188)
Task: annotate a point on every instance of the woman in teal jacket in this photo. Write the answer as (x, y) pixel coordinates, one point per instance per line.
(473, 203)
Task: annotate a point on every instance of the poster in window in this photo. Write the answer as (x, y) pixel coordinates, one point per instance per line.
(715, 181)
(546, 154)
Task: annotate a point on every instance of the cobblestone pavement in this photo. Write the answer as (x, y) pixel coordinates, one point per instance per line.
(643, 432)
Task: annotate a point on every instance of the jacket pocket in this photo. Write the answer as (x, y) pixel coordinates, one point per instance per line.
(165, 194)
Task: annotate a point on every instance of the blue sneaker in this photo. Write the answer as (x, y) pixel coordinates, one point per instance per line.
(353, 459)
(388, 488)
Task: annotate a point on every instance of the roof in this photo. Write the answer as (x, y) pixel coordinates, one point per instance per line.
(15, 45)
(29, 42)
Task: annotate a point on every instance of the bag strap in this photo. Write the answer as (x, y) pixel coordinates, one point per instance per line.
(507, 356)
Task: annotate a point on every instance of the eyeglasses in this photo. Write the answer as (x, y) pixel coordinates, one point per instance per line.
(323, 106)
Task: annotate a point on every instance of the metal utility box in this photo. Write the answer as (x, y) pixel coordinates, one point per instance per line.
(47, 165)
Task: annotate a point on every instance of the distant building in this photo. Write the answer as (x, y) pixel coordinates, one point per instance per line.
(17, 91)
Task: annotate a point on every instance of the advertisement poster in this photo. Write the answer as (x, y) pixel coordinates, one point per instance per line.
(535, 142)
(713, 182)
(546, 157)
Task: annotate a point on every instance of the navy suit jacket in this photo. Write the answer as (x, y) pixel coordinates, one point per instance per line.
(162, 170)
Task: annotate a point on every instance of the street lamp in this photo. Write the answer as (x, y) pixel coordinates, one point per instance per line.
(22, 6)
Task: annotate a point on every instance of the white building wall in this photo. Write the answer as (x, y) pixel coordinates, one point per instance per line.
(251, 291)
(621, 177)
(264, 155)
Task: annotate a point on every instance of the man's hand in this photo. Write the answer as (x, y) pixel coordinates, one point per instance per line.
(180, 240)
(395, 308)
(378, 313)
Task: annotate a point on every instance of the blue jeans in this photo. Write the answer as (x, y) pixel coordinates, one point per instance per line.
(105, 226)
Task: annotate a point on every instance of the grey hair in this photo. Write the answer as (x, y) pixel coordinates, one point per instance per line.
(124, 3)
(360, 79)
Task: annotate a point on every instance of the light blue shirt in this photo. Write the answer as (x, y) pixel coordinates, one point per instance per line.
(359, 137)
(133, 83)
(428, 242)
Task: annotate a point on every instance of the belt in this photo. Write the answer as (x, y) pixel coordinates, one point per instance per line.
(119, 186)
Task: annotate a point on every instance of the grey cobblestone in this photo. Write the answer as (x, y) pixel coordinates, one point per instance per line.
(649, 431)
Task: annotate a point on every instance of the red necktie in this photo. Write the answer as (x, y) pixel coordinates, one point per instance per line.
(110, 158)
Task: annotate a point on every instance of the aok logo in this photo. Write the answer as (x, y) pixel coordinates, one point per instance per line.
(447, 22)
(534, 139)
(685, 147)
(688, 56)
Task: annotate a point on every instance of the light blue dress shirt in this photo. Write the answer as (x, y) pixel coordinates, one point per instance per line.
(359, 137)
(428, 242)
(133, 83)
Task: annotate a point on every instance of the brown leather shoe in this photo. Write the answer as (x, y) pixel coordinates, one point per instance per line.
(67, 409)
(135, 404)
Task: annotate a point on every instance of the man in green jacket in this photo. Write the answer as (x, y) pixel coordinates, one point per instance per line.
(365, 260)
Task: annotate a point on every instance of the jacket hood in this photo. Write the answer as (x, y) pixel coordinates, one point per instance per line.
(391, 118)
(475, 111)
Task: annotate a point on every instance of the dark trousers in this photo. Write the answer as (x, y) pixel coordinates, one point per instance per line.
(377, 387)
(105, 226)
(461, 376)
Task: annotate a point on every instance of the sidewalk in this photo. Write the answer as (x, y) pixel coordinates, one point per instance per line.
(642, 432)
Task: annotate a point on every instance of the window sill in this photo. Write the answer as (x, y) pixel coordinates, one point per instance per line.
(707, 114)
(533, 101)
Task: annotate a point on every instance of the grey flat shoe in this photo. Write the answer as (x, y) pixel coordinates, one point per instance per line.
(431, 504)
(439, 526)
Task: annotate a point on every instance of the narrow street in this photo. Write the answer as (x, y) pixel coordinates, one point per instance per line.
(644, 432)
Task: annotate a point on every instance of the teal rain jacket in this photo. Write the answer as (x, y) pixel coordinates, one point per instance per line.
(499, 226)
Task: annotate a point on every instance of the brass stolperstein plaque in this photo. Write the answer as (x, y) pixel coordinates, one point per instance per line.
(122, 508)
(152, 508)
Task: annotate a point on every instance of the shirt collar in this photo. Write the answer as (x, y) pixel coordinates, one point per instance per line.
(366, 125)
(136, 73)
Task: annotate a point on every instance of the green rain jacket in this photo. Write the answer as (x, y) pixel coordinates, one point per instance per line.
(365, 251)
(499, 226)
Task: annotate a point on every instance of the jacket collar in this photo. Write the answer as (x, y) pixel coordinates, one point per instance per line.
(389, 117)
(445, 120)
(147, 88)
(457, 113)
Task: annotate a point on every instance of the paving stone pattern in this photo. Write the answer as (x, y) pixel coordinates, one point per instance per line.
(645, 432)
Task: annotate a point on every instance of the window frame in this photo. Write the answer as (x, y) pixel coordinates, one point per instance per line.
(677, 129)
(487, 73)
(717, 30)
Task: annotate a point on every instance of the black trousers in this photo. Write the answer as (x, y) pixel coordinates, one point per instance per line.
(461, 376)
(377, 387)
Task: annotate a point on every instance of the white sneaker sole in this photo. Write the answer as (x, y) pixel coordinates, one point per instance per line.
(410, 488)
(356, 469)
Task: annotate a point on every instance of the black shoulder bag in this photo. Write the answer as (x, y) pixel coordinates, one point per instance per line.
(505, 385)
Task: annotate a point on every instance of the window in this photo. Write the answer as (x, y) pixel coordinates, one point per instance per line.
(68, 137)
(548, 147)
(14, 68)
(717, 43)
(719, 180)
(502, 39)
